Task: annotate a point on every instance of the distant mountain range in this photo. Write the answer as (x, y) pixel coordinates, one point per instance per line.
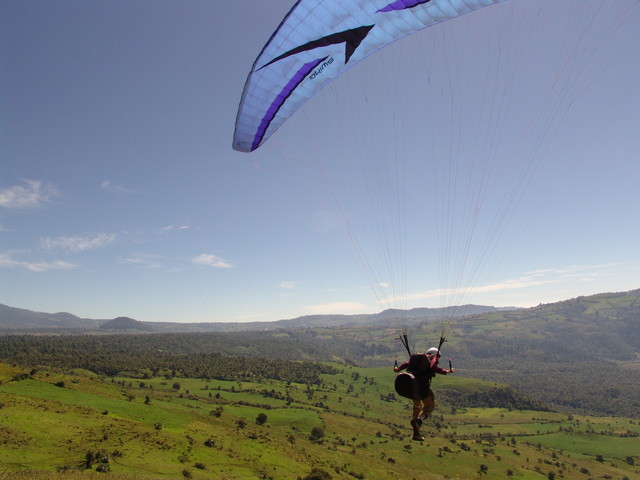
(18, 320)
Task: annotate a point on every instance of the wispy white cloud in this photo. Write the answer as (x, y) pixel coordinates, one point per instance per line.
(576, 271)
(78, 243)
(33, 194)
(288, 285)
(170, 228)
(111, 187)
(336, 307)
(536, 278)
(214, 261)
(143, 259)
(7, 262)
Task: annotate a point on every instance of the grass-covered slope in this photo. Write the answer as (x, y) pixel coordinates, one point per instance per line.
(346, 426)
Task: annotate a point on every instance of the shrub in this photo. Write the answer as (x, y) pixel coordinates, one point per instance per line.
(317, 434)
(318, 474)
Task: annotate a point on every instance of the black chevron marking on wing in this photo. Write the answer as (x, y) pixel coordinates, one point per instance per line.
(351, 38)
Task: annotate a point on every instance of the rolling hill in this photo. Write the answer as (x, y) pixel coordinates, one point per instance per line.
(18, 320)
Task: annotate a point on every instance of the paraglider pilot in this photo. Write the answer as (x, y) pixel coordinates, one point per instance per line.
(415, 384)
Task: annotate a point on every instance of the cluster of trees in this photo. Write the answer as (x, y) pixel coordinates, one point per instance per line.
(498, 397)
(140, 356)
(295, 345)
(596, 386)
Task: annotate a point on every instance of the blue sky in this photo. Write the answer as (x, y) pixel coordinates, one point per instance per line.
(120, 193)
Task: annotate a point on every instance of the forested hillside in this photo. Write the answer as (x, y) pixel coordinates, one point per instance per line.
(581, 355)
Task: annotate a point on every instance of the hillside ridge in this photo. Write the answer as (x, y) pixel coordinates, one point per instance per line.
(21, 320)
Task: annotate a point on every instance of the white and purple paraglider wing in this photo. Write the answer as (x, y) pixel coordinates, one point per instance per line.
(316, 42)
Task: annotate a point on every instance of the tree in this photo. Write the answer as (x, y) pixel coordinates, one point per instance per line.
(261, 419)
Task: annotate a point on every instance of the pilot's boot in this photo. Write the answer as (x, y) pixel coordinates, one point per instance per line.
(416, 423)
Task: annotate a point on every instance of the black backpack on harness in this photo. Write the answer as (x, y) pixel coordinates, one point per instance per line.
(404, 384)
(414, 383)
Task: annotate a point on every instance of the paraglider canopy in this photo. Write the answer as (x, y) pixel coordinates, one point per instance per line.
(316, 42)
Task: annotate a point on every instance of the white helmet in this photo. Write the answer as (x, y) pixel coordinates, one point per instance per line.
(433, 351)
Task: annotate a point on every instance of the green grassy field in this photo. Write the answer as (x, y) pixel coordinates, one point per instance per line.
(73, 424)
